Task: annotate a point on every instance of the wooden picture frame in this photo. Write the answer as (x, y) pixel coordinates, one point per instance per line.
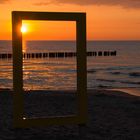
(81, 116)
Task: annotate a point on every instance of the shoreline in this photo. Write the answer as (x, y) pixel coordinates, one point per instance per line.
(131, 91)
(134, 91)
(111, 115)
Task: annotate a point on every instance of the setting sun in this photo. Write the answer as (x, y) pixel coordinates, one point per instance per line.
(23, 29)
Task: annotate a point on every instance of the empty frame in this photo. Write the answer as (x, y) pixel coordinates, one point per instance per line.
(81, 116)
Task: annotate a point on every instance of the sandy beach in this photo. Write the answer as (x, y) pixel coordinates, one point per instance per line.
(113, 115)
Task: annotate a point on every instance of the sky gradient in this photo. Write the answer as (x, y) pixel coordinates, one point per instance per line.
(106, 19)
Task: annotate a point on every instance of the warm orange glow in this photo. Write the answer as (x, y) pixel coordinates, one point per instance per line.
(50, 30)
(23, 29)
(104, 22)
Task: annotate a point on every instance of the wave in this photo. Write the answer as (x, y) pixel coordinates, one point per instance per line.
(104, 86)
(123, 68)
(105, 80)
(124, 82)
(116, 73)
(129, 82)
(91, 71)
(134, 74)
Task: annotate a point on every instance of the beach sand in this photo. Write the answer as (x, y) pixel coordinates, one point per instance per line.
(112, 115)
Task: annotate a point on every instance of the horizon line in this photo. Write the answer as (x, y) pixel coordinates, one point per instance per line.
(75, 40)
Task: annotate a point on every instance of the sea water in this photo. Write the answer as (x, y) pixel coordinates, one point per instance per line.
(122, 70)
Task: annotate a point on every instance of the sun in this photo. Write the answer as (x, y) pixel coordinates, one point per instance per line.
(23, 29)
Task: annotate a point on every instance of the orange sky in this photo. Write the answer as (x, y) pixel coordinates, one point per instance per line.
(119, 20)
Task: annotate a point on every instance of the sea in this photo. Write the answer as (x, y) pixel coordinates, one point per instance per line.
(120, 71)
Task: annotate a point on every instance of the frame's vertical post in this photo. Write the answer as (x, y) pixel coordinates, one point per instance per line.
(81, 68)
(17, 68)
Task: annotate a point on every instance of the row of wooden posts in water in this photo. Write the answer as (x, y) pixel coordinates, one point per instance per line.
(58, 54)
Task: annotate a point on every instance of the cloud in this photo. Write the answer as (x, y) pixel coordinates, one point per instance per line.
(3, 1)
(123, 3)
(44, 3)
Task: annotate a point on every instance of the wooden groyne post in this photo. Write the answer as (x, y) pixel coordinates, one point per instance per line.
(58, 54)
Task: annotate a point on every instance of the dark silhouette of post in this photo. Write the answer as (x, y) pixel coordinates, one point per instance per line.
(58, 54)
